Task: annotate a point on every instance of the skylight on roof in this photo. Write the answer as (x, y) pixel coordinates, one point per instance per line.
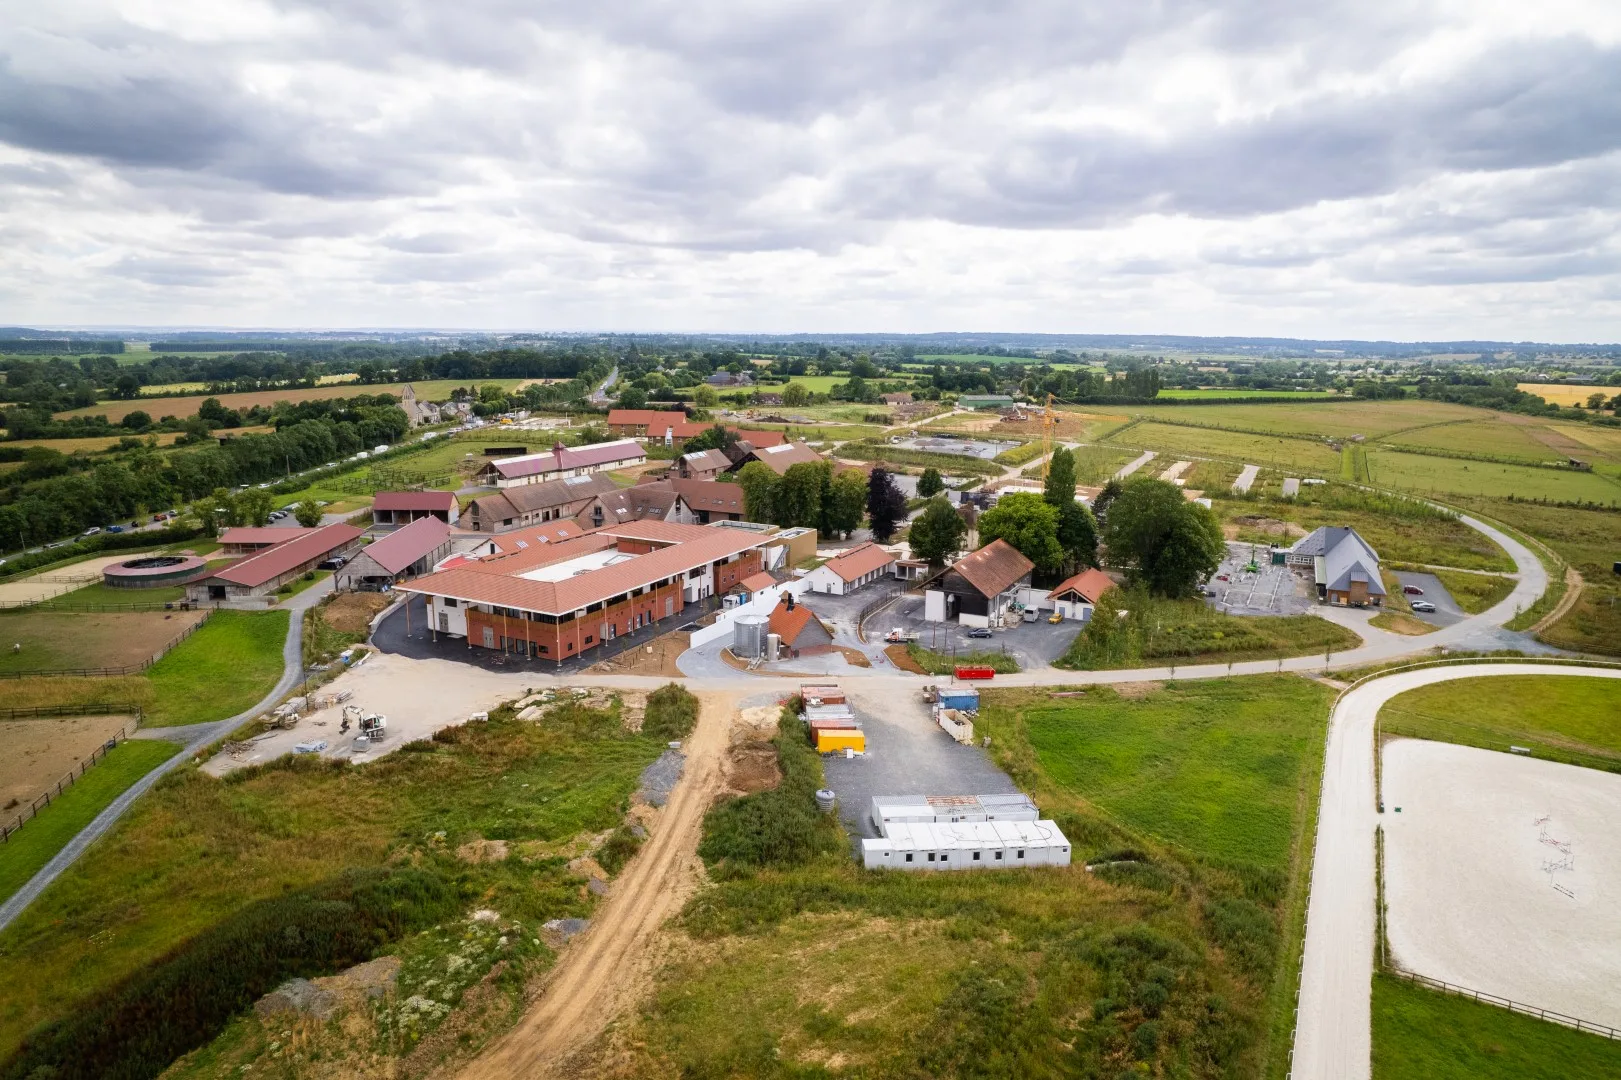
(577, 479)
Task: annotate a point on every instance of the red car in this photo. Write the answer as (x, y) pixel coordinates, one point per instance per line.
(1412, 590)
(1221, 577)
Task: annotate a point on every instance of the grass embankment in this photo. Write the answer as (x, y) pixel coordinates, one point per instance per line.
(42, 837)
(1475, 593)
(1399, 622)
(1174, 959)
(1189, 631)
(1019, 455)
(1421, 1034)
(99, 594)
(950, 464)
(300, 583)
(930, 662)
(1559, 717)
(196, 850)
(221, 670)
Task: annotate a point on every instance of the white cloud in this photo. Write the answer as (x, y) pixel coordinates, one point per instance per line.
(1441, 169)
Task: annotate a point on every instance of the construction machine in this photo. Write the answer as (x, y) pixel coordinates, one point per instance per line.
(371, 726)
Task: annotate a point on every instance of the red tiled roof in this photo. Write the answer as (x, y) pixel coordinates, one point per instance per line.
(648, 418)
(402, 547)
(493, 581)
(550, 533)
(756, 582)
(859, 561)
(758, 437)
(779, 459)
(706, 460)
(1089, 584)
(414, 500)
(255, 570)
(788, 625)
(712, 495)
(570, 457)
(994, 568)
(265, 534)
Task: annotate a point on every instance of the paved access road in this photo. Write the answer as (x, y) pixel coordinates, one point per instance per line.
(1333, 1037)
(192, 737)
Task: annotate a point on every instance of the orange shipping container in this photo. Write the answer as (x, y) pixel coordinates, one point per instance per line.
(837, 740)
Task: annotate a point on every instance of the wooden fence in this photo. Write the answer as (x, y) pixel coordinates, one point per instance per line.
(32, 809)
(127, 669)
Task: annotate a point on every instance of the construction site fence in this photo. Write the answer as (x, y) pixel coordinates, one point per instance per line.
(127, 669)
(32, 809)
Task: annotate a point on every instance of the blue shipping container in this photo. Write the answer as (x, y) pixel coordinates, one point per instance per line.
(960, 699)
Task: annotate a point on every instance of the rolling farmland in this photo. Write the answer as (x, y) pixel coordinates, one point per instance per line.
(437, 389)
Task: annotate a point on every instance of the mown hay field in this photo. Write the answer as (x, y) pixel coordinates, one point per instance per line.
(1455, 476)
(429, 390)
(1300, 456)
(1331, 419)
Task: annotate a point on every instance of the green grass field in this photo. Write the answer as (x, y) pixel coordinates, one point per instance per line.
(1170, 632)
(1316, 420)
(1213, 767)
(1495, 436)
(1415, 537)
(101, 595)
(1454, 476)
(196, 849)
(1222, 394)
(43, 836)
(221, 670)
(1421, 1034)
(1560, 717)
(1299, 456)
(1475, 592)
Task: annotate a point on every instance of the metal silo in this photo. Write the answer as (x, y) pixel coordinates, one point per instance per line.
(748, 636)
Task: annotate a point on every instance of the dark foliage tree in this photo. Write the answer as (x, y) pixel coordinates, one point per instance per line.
(886, 506)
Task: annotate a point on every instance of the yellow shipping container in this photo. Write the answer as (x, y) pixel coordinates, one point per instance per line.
(837, 740)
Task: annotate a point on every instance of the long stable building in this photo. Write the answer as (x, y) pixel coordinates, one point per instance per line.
(556, 600)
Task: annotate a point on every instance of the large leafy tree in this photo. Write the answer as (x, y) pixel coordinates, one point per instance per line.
(759, 486)
(1060, 486)
(848, 502)
(255, 505)
(1077, 532)
(886, 506)
(718, 437)
(308, 512)
(796, 394)
(929, 484)
(1169, 544)
(798, 497)
(1026, 521)
(937, 535)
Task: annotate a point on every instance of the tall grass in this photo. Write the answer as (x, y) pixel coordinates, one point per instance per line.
(672, 713)
(778, 827)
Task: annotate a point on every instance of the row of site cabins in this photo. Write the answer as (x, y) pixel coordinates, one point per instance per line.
(962, 832)
(829, 720)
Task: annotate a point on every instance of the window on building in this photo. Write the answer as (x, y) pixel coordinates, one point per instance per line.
(931, 856)
(589, 640)
(1021, 853)
(976, 856)
(908, 856)
(544, 649)
(999, 856)
(450, 601)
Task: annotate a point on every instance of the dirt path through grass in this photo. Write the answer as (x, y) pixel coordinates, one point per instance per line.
(605, 972)
(1573, 593)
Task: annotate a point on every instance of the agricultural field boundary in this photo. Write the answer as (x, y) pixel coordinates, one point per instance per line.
(45, 799)
(127, 669)
(1339, 952)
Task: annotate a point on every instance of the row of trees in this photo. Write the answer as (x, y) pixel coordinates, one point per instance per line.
(807, 494)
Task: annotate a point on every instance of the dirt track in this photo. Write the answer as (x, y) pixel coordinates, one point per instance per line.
(1573, 593)
(606, 971)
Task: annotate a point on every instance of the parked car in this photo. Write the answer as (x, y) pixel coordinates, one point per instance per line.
(115, 528)
(92, 530)
(334, 563)
(979, 631)
(1423, 605)
(1222, 577)
(1055, 618)
(1412, 590)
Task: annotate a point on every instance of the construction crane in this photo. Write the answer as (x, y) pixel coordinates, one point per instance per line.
(1046, 438)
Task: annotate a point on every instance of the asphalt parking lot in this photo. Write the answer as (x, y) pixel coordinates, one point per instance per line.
(907, 754)
(1033, 645)
(1272, 590)
(1446, 610)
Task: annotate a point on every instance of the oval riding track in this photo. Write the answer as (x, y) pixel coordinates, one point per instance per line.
(1333, 1039)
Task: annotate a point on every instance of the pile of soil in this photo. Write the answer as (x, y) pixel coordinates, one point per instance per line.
(656, 657)
(902, 659)
(352, 612)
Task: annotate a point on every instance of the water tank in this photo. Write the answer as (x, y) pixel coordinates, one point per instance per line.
(748, 636)
(824, 801)
(773, 646)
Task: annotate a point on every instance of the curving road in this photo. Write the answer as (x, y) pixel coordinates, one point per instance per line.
(193, 738)
(1333, 1037)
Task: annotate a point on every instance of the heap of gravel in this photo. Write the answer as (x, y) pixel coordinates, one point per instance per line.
(566, 928)
(659, 778)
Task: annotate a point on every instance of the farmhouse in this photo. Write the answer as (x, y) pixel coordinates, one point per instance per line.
(644, 502)
(727, 378)
(701, 465)
(978, 588)
(779, 459)
(858, 567)
(408, 551)
(1075, 598)
(533, 504)
(644, 423)
(559, 600)
(1344, 567)
(248, 540)
(262, 574)
(562, 462)
(391, 508)
(798, 628)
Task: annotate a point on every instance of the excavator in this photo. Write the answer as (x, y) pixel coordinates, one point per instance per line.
(371, 726)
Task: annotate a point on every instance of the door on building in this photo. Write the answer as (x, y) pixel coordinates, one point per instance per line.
(444, 622)
(608, 631)
(669, 606)
(489, 637)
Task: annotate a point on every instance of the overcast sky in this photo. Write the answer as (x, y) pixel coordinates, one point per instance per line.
(1413, 169)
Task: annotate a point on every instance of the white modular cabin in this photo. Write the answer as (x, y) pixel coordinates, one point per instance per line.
(887, 809)
(968, 845)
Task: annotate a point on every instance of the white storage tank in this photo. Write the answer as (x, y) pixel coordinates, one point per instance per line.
(748, 636)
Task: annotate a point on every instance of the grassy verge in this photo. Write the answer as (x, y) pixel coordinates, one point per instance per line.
(937, 663)
(1398, 622)
(298, 585)
(222, 669)
(1475, 592)
(36, 692)
(1020, 454)
(950, 464)
(1189, 631)
(1559, 717)
(1422, 1034)
(1161, 961)
(42, 837)
(196, 850)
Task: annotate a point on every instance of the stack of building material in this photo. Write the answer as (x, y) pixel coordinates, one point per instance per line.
(988, 832)
(833, 726)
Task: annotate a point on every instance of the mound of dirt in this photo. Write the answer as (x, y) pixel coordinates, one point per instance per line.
(482, 851)
(352, 612)
(751, 767)
(1269, 526)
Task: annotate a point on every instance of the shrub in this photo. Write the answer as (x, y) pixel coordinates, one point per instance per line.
(618, 849)
(779, 827)
(138, 1028)
(672, 713)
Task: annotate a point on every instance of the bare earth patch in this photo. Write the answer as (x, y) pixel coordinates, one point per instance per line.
(352, 612)
(41, 752)
(656, 657)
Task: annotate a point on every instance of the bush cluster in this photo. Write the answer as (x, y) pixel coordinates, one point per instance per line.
(779, 827)
(138, 1028)
(672, 713)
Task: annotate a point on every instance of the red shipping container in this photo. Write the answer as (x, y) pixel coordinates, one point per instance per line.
(976, 673)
